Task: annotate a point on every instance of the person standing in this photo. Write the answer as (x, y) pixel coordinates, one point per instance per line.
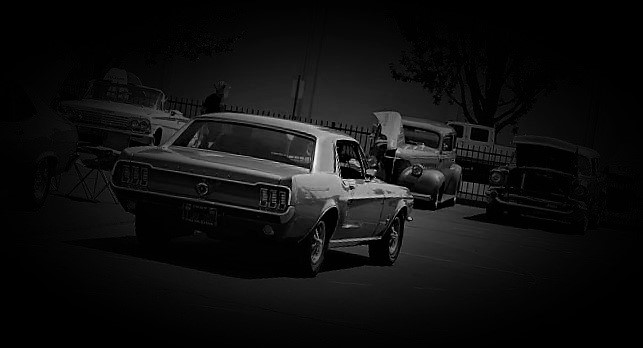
(213, 102)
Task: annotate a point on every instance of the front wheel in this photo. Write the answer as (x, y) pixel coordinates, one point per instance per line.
(386, 250)
(312, 250)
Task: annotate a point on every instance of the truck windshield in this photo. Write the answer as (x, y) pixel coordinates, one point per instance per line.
(128, 94)
(419, 136)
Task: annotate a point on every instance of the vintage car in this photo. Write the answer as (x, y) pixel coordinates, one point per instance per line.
(552, 179)
(118, 115)
(239, 175)
(418, 154)
(36, 144)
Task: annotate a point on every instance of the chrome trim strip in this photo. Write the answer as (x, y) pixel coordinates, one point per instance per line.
(123, 131)
(202, 201)
(209, 177)
(353, 240)
(519, 205)
(421, 195)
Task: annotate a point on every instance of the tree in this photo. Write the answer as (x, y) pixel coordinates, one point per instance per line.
(486, 65)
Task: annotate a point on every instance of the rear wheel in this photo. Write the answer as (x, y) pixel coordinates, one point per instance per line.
(386, 250)
(580, 223)
(312, 251)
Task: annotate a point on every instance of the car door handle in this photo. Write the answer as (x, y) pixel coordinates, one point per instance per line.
(349, 183)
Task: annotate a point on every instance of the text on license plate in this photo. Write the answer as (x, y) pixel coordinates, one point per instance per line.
(199, 214)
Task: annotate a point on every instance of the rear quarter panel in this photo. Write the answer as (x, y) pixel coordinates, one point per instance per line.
(313, 195)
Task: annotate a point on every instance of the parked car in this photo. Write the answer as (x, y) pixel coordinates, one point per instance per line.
(550, 178)
(117, 115)
(482, 138)
(36, 144)
(418, 154)
(232, 175)
(477, 150)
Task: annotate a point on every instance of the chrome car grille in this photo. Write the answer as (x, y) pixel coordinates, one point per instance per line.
(105, 120)
(538, 183)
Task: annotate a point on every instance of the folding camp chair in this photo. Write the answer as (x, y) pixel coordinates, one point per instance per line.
(96, 160)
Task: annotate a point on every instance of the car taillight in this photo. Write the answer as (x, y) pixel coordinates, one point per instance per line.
(134, 175)
(273, 198)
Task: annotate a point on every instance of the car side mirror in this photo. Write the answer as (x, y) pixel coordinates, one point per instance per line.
(176, 113)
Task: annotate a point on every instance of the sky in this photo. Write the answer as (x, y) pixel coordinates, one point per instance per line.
(344, 58)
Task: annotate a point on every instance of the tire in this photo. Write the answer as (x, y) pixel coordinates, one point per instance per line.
(312, 250)
(598, 215)
(434, 204)
(385, 251)
(580, 223)
(38, 185)
(151, 233)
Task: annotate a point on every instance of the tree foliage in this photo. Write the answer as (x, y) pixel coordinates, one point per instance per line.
(488, 66)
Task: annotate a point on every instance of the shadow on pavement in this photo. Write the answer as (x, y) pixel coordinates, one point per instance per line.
(524, 222)
(241, 260)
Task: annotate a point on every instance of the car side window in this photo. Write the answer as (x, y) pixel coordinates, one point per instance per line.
(479, 134)
(459, 129)
(351, 164)
(447, 143)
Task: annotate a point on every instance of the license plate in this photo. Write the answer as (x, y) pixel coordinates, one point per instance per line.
(198, 214)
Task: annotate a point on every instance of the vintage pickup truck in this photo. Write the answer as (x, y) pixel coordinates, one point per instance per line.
(478, 151)
(418, 154)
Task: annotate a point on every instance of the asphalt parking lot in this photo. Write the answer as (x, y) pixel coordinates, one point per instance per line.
(76, 273)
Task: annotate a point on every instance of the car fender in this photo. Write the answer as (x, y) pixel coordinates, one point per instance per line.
(427, 183)
(453, 176)
(313, 195)
(401, 206)
(46, 155)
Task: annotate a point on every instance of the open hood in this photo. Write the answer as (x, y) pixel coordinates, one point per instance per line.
(391, 123)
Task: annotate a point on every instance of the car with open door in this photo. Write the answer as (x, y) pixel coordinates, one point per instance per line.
(36, 144)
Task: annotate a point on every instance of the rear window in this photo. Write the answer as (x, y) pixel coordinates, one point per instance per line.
(479, 134)
(459, 129)
(249, 140)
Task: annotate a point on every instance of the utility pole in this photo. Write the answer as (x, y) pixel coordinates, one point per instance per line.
(295, 96)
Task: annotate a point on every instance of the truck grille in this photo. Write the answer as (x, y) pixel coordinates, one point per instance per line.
(539, 183)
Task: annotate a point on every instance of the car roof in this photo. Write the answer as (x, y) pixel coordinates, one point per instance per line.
(129, 84)
(435, 126)
(465, 123)
(317, 131)
(555, 143)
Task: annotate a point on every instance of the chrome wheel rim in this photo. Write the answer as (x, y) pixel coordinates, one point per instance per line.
(394, 238)
(40, 180)
(317, 247)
